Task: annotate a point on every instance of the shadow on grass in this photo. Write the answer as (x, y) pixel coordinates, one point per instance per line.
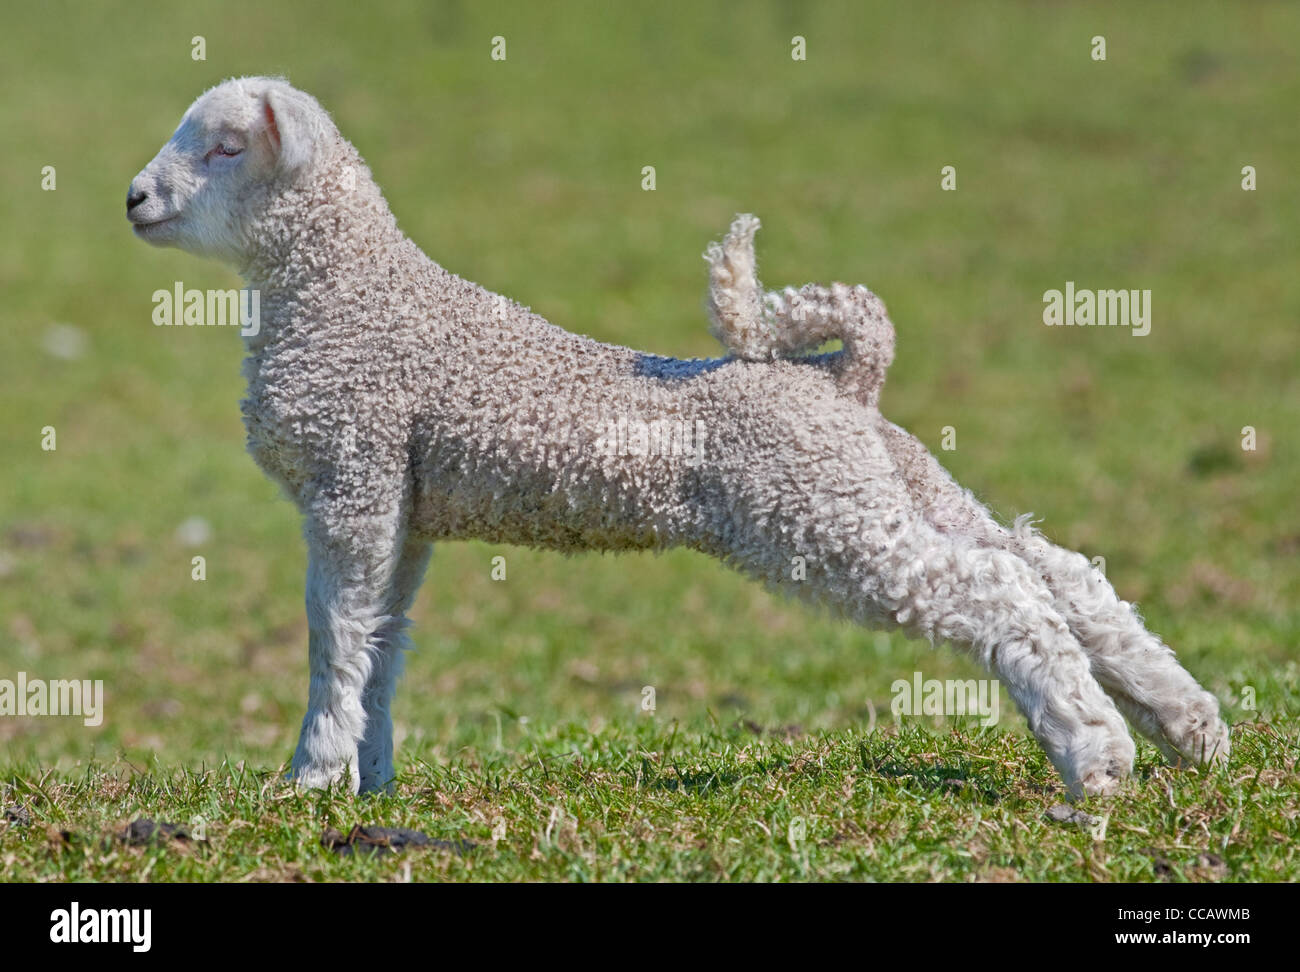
(939, 778)
(956, 778)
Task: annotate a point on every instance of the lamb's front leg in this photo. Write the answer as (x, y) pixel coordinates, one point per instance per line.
(351, 561)
(375, 752)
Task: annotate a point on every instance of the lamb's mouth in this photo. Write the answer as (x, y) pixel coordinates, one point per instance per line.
(143, 228)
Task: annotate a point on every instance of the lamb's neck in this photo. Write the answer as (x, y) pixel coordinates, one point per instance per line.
(330, 217)
(337, 236)
(313, 242)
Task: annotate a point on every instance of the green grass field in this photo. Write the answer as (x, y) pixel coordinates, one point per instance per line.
(520, 715)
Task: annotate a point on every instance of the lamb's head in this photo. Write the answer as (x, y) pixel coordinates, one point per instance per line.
(238, 148)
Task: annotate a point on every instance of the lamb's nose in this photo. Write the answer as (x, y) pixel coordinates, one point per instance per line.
(134, 199)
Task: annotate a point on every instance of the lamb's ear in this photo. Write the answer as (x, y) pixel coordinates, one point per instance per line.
(292, 130)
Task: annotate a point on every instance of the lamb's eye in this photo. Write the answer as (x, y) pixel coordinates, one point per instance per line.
(226, 150)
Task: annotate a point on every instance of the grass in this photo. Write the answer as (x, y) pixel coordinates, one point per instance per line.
(522, 702)
(646, 802)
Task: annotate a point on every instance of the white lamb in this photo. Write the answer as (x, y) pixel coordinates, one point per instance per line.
(398, 404)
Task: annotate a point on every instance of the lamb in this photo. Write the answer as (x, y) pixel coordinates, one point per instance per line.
(398, 405)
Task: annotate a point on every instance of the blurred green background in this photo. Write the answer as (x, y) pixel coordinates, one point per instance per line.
(525, 175)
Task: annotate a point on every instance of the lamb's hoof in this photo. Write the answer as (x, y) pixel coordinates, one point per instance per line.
(315, 776)
(1100, 783)
(1198, 735)
(1104, 772)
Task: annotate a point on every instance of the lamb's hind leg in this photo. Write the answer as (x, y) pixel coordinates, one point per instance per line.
(388, 648)
(1143, 676)
(991, 602)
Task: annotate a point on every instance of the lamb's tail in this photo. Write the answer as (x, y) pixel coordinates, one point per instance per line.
(758, 326)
